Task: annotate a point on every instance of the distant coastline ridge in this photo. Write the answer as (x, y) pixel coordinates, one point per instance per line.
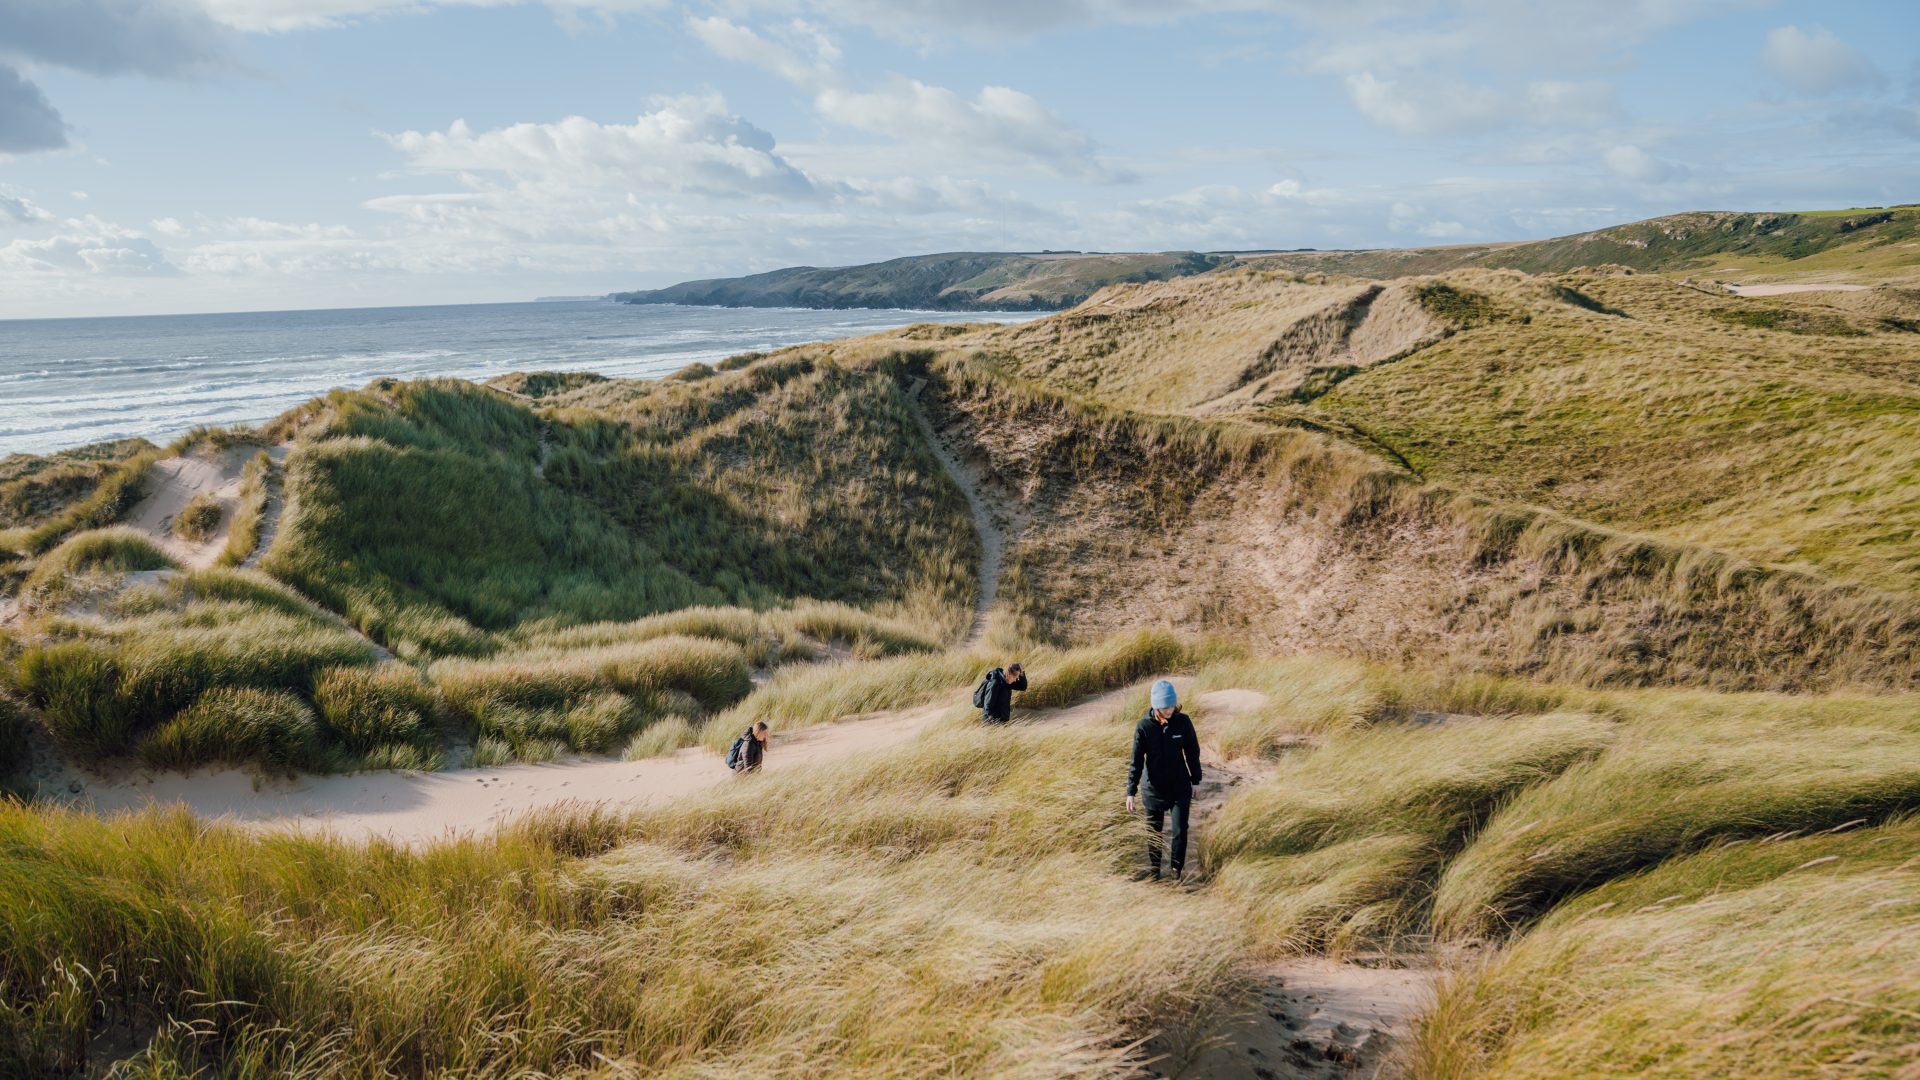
(1698, 241)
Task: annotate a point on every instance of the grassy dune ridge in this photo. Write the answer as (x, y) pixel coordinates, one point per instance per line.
(1142, 518)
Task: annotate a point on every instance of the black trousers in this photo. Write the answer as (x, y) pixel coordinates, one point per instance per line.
(1157, 813)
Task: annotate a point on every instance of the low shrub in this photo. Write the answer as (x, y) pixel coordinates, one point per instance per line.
(100, 689)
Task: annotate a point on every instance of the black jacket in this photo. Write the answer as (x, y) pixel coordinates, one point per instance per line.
(1000, 694)
(1170, 754)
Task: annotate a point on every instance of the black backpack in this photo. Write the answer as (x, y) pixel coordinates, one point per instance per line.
(984, 692)
(734, 753)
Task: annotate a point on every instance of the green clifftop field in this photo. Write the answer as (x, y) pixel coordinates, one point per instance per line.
(1871, 244)
(1553, 635)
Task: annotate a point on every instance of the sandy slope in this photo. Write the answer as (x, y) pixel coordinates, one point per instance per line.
(174, 482)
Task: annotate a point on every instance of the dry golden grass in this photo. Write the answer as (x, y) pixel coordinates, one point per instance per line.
(946, 909)
(1790, 958)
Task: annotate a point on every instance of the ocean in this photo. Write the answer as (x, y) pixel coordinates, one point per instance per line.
(66, 382)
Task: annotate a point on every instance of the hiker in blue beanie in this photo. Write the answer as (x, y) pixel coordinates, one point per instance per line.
(1167, 750)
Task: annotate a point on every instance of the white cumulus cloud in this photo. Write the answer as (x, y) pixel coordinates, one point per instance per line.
(20, 210)
(691, 144)
(1815, 62)
(999, 123)
(87, 245)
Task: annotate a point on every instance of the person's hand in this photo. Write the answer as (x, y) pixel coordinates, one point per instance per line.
(1129, 804)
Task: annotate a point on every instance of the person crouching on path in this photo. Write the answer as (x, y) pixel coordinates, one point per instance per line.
(994, 697)
(1167, 750)
(749, 750)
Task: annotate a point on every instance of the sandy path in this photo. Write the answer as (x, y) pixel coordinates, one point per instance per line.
(1782, 289)
(993, 535)
(1309, 1016)
(1316, 1017)
(418, 807)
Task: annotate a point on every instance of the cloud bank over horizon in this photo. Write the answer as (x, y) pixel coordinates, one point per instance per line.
(174, 155)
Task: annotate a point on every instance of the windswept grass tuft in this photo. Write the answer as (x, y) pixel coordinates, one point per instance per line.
(824, 693)
(13, 738)
(1307, 696)
(1113, 663)
(243, 535)
(101, 688)
(116, 491)
(1767, 958)
(1686, 770)
(542, 702)
(366, 708)
(200, 518)
(237, 726)
(116, 550)
(1367, 820)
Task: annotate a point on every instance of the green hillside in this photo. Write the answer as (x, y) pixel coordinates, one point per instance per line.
(960, 281)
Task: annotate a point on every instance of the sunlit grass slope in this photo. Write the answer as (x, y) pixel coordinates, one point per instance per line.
(964, 905)
(1781, 429)
(438, 514)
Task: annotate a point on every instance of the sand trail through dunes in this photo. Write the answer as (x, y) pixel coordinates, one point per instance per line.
(419, 807)
(276, 503)
(413, 808)
(994, 529)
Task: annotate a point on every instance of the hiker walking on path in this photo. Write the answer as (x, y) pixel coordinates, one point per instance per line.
(1167, 750)
(749, 750)
(994, 696)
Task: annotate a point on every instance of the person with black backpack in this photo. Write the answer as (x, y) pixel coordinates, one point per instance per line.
(749, 750)
(994, 696)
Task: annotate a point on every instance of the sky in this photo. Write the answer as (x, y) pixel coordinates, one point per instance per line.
(217, 155)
